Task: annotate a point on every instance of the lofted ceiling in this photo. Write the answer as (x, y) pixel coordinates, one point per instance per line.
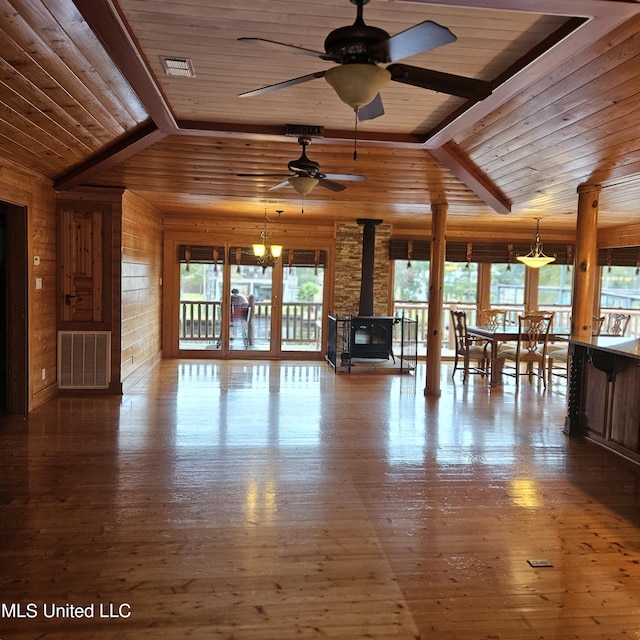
(86, 101)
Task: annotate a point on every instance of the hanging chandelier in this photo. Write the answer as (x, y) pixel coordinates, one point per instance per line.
(267, 254)
(536, 258)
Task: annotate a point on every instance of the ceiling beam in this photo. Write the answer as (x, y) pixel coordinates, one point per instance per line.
(109, 26)
(232, 129)
(469, 175)
(119, 152)
(150, 134)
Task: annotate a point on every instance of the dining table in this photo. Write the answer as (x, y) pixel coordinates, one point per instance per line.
(495, 336)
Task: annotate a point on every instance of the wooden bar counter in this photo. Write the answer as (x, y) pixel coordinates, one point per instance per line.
(604, 393)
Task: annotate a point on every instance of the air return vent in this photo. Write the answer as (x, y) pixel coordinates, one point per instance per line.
(84, 359)
(178, 67)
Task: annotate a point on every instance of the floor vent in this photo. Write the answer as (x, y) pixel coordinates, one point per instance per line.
(84, 359)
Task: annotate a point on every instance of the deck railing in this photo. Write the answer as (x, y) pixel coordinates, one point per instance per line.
(301, 322)
(200, 320)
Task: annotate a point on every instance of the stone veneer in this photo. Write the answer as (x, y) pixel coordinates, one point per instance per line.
(349, 270)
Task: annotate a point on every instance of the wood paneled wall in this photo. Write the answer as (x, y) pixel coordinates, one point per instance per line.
(141, 286)
(626, 236)
(25, 188)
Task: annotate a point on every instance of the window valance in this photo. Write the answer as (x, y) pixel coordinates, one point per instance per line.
(496, 252)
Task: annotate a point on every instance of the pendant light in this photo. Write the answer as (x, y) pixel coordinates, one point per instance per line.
(267, 254)
(536, 258)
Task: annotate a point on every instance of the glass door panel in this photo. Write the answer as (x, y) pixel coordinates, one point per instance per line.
(302, 308)
(200, 306)
(301, 316)
(235, 307)
(250, 327)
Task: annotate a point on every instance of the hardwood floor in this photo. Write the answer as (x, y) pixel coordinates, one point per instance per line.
(276, 501)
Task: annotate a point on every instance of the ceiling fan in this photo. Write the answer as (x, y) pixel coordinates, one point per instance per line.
(359, 49)
(305, 174)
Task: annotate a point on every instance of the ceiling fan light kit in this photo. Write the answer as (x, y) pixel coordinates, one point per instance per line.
(303, 184)
(357, 84)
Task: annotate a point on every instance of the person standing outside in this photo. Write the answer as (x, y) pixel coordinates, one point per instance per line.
(239, 313)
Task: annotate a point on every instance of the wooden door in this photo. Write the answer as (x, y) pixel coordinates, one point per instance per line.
(82, 266)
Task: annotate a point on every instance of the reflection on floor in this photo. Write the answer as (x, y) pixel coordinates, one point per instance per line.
(277, 500)
(376, 365)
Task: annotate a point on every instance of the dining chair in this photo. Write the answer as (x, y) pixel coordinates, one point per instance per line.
(617, 324)
(468, 349)
(493, 318)
(530, 348)
(597, 324)
(558, 360)
(558, 353)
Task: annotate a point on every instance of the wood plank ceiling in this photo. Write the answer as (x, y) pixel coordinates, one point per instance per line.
(86, 100)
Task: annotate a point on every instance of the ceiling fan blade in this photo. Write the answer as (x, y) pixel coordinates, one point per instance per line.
(332, 186)
(422, 37)
(374, 109)
(343, 176)
(279, 185)
(273, 43)
(262, 175)
(282, 85)
(469, 88)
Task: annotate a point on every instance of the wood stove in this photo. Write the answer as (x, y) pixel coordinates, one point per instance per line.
(368, 336)
(372, 337)
(365, 335)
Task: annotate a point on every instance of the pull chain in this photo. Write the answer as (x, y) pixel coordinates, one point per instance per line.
(355, 137)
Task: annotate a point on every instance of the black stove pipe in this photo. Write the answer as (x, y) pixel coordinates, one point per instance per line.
(368, 265)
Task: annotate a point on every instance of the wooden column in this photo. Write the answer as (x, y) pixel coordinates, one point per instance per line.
(531, 282)
(436, 281)
(484, 286)
(586, 261)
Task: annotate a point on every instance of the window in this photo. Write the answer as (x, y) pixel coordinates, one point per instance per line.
(620, 288)
(411, 283)
(460, 282)
(555, 285)
(507, 284)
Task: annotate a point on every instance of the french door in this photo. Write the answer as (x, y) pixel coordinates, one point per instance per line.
(231, 306)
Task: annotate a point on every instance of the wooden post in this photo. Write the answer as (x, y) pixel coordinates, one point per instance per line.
(483, 288)
(531, 281)
(586, 261)
(436, 282)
